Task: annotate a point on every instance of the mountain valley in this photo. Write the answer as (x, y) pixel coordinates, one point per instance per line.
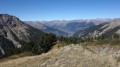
(75, 43)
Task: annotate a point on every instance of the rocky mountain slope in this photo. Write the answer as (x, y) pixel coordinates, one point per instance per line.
(107, 29)
(68, 56)
(42, 27)
(14, 30)
(72, 26)
(65, 28)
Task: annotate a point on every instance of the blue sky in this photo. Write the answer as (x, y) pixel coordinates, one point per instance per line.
(36, 10)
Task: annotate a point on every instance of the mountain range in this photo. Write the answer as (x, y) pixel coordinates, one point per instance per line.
(64, 27)
(13, 31)
(42, 27)
(107, 29)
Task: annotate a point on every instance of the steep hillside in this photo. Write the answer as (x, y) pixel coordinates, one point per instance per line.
(6, 46)
(14, 30)
(106, 29)
(68, 56)
(44, 28)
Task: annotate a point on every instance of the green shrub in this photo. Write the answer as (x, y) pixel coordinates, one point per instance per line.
(114, 42)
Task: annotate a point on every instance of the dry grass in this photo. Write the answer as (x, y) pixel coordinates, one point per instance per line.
(68, 56)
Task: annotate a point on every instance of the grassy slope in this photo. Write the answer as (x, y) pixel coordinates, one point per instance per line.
(67, 56)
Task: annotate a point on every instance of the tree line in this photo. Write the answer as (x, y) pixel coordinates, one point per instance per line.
(102, 38)
(44, 42)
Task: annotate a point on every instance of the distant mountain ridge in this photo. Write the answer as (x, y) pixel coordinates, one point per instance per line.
(42, 27)
(68, 27)
(107, 29)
